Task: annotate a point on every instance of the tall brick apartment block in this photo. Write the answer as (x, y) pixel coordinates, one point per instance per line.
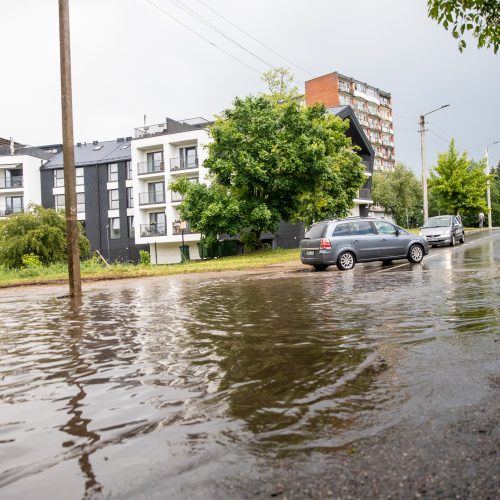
(372, 108)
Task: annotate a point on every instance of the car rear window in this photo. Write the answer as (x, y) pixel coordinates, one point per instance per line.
(316, 231)
(361, 227)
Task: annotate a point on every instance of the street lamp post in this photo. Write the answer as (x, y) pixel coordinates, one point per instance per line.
(424, 159)
(488, 191)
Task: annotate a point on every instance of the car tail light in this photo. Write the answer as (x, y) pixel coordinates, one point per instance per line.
(325, 244)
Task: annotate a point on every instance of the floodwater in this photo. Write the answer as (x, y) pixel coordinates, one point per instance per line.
(163, 385)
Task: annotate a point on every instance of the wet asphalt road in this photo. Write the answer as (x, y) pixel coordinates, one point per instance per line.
(381, 382)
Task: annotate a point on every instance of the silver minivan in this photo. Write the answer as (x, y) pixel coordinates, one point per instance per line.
(443, 230)
(359, 239)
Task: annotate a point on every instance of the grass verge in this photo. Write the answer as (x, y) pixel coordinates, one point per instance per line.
(94, 270)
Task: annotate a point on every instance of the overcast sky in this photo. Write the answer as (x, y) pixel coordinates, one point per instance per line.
(130, 59)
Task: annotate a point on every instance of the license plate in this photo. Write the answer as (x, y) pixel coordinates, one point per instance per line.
(310, 252)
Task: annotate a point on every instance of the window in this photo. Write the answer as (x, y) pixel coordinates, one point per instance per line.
(113, 201)
(316, 231)
(59, 177)
(128, 167)
(59, 202)
(345, 100)
(156, 192)
(13, 204)
(188, 157)
(385, 228)
(80, 202)
(130, 197)
(361, 227)
(112, 172)
(344, 86)
(341, 230)
(114, 228)
(360, 87)
(155, 161)
(79, 176)
(130, 226)
(157, 223)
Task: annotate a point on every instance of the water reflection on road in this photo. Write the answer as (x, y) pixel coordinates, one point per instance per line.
(183, 378)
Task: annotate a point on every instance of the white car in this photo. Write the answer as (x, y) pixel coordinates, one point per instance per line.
(443, 230)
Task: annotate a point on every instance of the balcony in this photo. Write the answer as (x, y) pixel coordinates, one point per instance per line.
(153, 230)
(177, 228)
(10, 209)
(13, 182)
(151, 198)
(183, 163)
(155, 167)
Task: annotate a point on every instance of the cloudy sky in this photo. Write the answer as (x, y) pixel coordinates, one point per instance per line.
(130, 59)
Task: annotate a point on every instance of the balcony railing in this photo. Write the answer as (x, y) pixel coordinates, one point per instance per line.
(10, 209)
(183, 163)
(151, 198)
(153, 230)
(176, 197)
(176, 228)
(15, 182)
(146, 167)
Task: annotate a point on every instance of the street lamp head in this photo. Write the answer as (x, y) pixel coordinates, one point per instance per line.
(491, 143)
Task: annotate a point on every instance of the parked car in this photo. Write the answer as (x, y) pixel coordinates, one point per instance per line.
(359, 239)
(443, 230)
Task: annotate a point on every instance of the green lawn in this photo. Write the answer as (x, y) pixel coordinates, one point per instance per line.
(94, 270)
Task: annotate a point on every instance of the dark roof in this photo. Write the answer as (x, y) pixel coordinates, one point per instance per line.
(93, 153)
(355, 130)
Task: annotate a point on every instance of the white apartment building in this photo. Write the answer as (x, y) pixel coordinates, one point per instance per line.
(162, 154)
(20, 178)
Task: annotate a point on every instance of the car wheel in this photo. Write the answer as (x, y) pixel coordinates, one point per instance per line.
(320, 267)
(416, 254)
(462, 238)
(452, 242)
(346, 261)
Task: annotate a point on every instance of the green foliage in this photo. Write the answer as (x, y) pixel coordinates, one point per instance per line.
(458, 185)
(40, 232)
(481, 18)
(31, 260)
(400, 193)
(144, 258)
(495, 195)
(280, 84)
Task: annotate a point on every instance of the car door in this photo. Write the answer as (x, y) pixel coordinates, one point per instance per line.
(365, 240)
(392, 243)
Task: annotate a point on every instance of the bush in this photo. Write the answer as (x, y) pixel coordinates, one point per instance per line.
(40, 232)
(31, 261)
(144, 258)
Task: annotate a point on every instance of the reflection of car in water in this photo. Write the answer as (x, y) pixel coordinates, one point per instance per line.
(443, 230)
(359, 239)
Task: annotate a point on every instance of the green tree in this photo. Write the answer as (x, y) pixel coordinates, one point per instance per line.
(481, 18)
(400, 193)
(273, 159)
(40, 232)
(280, 84)
(495, 195)
(458, 184)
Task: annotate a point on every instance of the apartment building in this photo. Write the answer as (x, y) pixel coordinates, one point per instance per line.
(104, 195)
(161, 154)
(372, 107)
(19, 176)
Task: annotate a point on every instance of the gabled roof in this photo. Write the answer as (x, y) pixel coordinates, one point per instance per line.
(93, 153)
(355, 130)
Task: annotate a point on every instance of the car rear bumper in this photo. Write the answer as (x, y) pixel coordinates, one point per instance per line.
(318, 257)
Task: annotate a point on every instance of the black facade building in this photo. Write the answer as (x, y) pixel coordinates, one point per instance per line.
(104, 195)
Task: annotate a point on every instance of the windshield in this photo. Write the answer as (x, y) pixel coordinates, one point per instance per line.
(444, 221)
(315, 231)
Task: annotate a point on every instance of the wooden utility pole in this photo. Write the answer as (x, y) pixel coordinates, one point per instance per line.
(75, 283)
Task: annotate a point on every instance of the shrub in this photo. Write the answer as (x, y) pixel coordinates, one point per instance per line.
(144, 258)
(31, 261)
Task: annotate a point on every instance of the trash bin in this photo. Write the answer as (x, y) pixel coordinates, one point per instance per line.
(184, 252)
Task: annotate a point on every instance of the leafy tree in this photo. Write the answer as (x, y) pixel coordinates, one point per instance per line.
(400, 193)
(495, 195)
(459, 184)
(39, 232)
(481, 18)
(273, 160)
(280, 84)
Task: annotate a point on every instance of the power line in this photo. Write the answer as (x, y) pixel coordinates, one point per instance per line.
(202, 37)
(200, 18)
(254, 38)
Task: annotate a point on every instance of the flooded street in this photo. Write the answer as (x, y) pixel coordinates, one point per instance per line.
(237, 385)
